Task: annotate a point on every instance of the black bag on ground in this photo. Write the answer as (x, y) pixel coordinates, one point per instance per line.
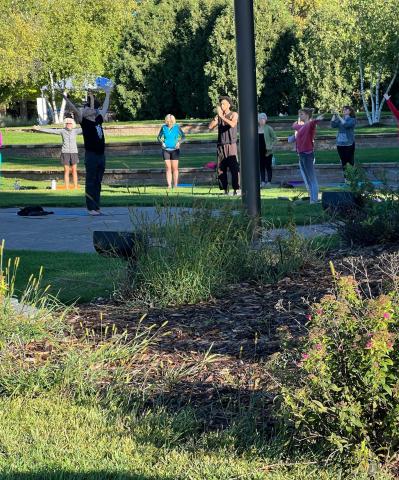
(33, 211)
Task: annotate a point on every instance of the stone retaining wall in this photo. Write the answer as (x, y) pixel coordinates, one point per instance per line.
(193, 146)
(153, 129)
(202, 127)
(328, 173)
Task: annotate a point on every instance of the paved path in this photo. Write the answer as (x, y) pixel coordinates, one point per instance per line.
(71, 229)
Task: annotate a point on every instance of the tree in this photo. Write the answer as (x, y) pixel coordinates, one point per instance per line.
(19, 40)
(59, 39)
(79, 39)
(160, 66)
(272, 19)
(279, 93)
(348, 51)
(376, 31)
(324, 71)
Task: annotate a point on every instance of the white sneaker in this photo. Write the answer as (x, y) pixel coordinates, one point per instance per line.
(263, 184)
(268, 185)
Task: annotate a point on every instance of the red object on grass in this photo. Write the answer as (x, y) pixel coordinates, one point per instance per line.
(211, 165)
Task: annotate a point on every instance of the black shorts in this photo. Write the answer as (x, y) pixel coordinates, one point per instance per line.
(171, 154)
(69, 159)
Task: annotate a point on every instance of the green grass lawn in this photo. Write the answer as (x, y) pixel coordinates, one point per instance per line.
(72, 276)
(278, 211)
(195, 160)
(18, 137)
(52, 438)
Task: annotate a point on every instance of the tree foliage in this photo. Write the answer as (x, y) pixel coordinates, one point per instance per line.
(160, 67)
(58, 39)
(179, 56)
(272, 20)
(347, 53)
(192, 63)
(324, 71)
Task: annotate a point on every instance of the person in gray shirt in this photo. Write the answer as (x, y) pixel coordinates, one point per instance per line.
(345, 135)
(69, 150)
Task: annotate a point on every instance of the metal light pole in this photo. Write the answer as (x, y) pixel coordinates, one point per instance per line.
(248, 121)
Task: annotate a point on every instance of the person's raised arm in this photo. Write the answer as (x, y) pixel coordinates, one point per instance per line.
(347, 122)
(391, 106)
(53, 131)
(213, 123)
(103, 111)
(335, 121)
(72, 106)
(232, 122)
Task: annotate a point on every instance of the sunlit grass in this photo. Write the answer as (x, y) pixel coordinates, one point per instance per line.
(193, 160)
(277, 206)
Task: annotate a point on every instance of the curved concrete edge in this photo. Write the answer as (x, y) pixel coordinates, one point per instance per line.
(320, 166)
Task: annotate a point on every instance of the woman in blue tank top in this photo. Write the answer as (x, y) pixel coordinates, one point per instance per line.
(171, 136)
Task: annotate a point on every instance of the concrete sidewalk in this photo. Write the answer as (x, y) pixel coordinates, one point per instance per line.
(71, 229)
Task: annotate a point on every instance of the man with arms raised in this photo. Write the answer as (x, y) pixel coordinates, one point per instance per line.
(91, 119)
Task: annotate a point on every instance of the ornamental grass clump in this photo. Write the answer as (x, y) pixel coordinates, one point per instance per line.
(197, 255)
(40, 353)
(194, 257)
(341, 391)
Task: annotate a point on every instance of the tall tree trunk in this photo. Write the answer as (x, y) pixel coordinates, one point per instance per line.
(62, 110)
(23, 109)
(377, 96)
(50, 108)
(63, 103)
(372, 102)
(54, 105)
(362, 92)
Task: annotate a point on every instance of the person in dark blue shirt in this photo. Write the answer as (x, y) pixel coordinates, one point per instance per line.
(171, 136)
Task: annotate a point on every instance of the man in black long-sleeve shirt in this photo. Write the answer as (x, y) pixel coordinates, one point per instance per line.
(91, 119)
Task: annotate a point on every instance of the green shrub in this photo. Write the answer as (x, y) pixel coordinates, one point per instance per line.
(376, 221)
(341, 392)
(9, 121)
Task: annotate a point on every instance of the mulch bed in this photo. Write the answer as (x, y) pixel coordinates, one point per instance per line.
(240, 330)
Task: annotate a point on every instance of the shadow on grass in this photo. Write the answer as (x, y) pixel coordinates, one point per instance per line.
(67, 475)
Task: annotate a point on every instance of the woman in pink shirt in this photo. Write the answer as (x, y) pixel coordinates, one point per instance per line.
(305, 131)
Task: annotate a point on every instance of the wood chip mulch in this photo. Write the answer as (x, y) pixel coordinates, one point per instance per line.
(239, 331)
